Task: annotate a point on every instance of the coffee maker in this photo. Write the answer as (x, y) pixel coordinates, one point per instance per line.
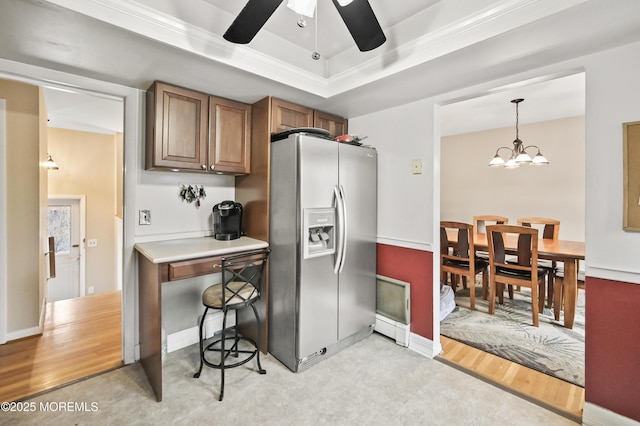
(227, 220)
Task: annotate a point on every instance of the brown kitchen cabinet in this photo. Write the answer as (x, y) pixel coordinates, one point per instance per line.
(229, 136)
(193, 131)
(177, 135)
(335, 125)
(286, 116)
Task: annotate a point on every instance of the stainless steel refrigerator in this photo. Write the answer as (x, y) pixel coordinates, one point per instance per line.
(322, 269)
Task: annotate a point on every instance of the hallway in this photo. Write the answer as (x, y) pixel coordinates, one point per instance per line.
(82, 337)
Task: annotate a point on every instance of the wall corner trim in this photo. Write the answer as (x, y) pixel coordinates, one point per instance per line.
(594, 415)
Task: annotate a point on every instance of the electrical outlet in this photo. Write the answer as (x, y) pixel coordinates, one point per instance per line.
(90, 290)
(92, 243)
(144, 217)
(416, 166)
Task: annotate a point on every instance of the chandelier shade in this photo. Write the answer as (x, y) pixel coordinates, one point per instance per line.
(518, 154)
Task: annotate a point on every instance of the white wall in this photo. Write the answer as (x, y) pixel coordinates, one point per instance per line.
(612, 89)
(401, 135)
(469, 187)
(171, 217)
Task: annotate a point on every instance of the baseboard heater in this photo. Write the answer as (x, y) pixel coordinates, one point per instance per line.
(393, 314)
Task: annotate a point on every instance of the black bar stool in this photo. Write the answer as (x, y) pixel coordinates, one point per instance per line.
(240, 288)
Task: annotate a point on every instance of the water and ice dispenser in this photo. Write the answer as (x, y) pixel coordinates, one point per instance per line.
(319, 232)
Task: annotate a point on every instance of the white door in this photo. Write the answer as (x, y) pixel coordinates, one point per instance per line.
(64, 224)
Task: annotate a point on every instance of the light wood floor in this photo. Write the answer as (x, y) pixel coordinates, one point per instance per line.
(555, 394)
(81, 337)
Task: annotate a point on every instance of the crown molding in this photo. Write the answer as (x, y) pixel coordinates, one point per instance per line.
(501, 17)
(159, 26)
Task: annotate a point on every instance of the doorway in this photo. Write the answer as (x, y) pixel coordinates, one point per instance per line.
(66, 224)
(469, 187)
(132, 109)
(66, 213)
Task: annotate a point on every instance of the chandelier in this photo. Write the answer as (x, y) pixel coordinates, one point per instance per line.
(518, 155)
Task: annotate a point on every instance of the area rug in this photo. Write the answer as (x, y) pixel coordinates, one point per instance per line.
(550, 348)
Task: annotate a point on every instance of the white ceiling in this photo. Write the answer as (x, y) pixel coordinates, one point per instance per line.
(433, 47)
(85, 112)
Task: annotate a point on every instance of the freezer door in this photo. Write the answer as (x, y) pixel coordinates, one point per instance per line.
(318, 284)
(357, 280)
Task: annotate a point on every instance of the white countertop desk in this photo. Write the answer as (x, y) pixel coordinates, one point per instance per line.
(162, 261)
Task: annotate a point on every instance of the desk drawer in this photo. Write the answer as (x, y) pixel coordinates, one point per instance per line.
(194, 268)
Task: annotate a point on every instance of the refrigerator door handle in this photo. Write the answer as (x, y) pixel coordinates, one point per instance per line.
(343, 228)
(340, 229)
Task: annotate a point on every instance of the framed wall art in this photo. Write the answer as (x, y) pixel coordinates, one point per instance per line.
(631, 158)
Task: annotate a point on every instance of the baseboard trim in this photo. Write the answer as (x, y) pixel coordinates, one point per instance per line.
(182, 339)
(594, 415)
(190, 336)
(423, 346)
(21, 334)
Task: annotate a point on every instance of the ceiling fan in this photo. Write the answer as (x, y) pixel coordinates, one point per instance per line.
(356, 14)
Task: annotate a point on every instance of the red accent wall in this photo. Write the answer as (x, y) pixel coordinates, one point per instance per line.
(416, 268)
(612, 346)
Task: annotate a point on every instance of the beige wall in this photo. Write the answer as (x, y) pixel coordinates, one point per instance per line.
(23, 193)
(469, 187)
(87, 166)
(119, 171)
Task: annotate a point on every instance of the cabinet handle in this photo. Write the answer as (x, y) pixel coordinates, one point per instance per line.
(212, 167)
(203, 167)
(216, 266)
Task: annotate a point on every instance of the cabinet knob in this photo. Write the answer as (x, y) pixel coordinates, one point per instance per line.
(212, 167)
(203, 167)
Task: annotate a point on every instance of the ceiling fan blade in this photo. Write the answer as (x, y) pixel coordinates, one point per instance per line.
(250, 19)
(362, 24)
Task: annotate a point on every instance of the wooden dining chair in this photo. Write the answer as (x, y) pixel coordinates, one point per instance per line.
(524, 273)
(550, 229)
(481, 222)
(460, 259)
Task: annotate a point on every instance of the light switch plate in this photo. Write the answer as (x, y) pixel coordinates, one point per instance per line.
(416, 166)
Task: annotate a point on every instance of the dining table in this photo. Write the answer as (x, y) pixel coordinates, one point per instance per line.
(568, 252)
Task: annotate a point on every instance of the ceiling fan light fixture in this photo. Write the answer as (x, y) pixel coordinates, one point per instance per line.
(302, 7)
(358, 17)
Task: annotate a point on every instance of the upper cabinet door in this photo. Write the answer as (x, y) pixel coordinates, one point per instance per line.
(176, 128)
(230, 136)
(335, 125)
(286, 116)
